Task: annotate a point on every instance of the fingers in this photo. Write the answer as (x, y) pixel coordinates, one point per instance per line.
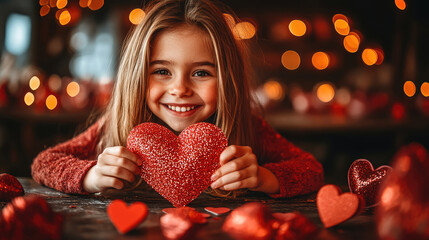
(235, 165)
(106, 182)
(116, 172)
(121, 151)
(232, 152)
(110, 160)
(245, 178)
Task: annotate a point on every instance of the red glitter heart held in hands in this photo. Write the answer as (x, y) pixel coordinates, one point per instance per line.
(10, 187)
(178, 167)
(365, 181)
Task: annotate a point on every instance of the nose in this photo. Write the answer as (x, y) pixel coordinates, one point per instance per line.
(179, 87)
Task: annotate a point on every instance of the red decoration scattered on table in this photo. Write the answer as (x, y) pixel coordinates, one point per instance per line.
(217, 210)
(10, 187)
(294, 226)
(181, 223)
(125, 218)
(365, 181)
(403, 212)
(30, 217)
(252, 221)
(178, 168)
(336, 207)
(171, 210)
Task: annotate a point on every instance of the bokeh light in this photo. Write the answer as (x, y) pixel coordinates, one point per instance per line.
(73, 89)
(95, 4)
(34, 83)
(43, 2)
(61, 4)
(244, 30)
(64, 17)
(320, 60)
(84, 3)
(297, 28)
(273, 90)
(400, 4)
(380, 56)
(343, 96)
(291, 60)
(54, 83)
(409, 88)
(424, 89)
(369, 56)
(136, 16)
(325, 92)
(342, 27)
(51, 102)
(29, 98)
(44, 10)
(351, 42)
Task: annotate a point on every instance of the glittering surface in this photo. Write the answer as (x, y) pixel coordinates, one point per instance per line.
(365, 181)
(217, 210)
(251, 221)
(335, 207)
(10, 187)
(30, 217)
(294, 225)
(181, 223)
(178, 168)
(403, 212)
(124, 217)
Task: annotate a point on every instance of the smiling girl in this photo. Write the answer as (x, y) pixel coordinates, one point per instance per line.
(180, 66)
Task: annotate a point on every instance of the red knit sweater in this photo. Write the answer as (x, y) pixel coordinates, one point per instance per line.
(63, 167)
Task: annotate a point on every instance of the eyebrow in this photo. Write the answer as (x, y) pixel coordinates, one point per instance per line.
(165, 62)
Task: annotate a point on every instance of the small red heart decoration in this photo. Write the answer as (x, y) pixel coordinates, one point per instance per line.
(178, 167)
(217, 210)
(336, 207)
(10, 187)
(365, 181)
(294, 225)
(124, 217)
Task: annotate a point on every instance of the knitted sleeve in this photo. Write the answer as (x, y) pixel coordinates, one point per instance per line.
(298, 172)
(64, 166)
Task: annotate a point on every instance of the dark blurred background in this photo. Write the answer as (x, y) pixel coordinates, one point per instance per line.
(343, 80)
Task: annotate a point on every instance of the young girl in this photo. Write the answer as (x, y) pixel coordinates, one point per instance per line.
(180, 66)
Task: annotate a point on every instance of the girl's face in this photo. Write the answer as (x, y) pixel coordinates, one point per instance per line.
(182, 87)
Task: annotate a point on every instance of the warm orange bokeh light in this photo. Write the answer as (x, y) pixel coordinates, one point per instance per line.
(424, 89)
(342, 27)
(51, 102)
(34, 83)
(339, 16)
(44, 10)
(52, 3)
(325, 92)
(84, 3)
(73, 89)
(409, 88)
(291, 60)
(43, 2)
(29, 98)
(244, 30)
(400, 4)
(320, 60)
(273, 90)
(369, 56)
(61, 4)
(95, 4)
(351, 42)
(297, 28)
(380, 56)
(64, 17)
(136, 16)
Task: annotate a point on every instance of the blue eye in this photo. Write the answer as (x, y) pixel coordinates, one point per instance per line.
(201, 74)
(162, 72)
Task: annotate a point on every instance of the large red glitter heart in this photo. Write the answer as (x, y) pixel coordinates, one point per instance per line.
(336, 207)
(365, 181)
(178, 167)
(10, 187)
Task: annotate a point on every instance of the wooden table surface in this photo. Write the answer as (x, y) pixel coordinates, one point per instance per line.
(85, 217)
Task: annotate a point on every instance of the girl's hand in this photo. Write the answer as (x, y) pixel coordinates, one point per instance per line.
(114, 165)
(240, 169)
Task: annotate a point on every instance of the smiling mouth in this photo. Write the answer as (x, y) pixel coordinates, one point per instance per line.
(181, 109)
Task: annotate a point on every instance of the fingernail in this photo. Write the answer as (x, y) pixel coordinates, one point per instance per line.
(214, 176)
(215, 185)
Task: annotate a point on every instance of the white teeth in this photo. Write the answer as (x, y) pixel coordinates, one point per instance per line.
(180, 109)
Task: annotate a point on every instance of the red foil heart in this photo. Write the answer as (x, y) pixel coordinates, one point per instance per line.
(178, 167)
(10, 187)
(30, 217)
(124, 217)
(294, 225)
(365, 181)
(336, 207)
(403, 212)
(252, 221)
(181, 223)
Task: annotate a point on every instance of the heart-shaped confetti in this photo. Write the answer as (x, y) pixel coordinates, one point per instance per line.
(217, 210)
(294, 225)
(124, 217)
(10, 187)
(178, 167)
(365, 181)
(336, 207)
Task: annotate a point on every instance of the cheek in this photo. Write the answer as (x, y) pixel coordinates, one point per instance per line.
(210, 95)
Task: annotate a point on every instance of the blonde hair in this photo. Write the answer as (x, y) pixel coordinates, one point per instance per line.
(128, 106)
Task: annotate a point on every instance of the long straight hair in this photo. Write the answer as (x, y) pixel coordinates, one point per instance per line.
(128, 107)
